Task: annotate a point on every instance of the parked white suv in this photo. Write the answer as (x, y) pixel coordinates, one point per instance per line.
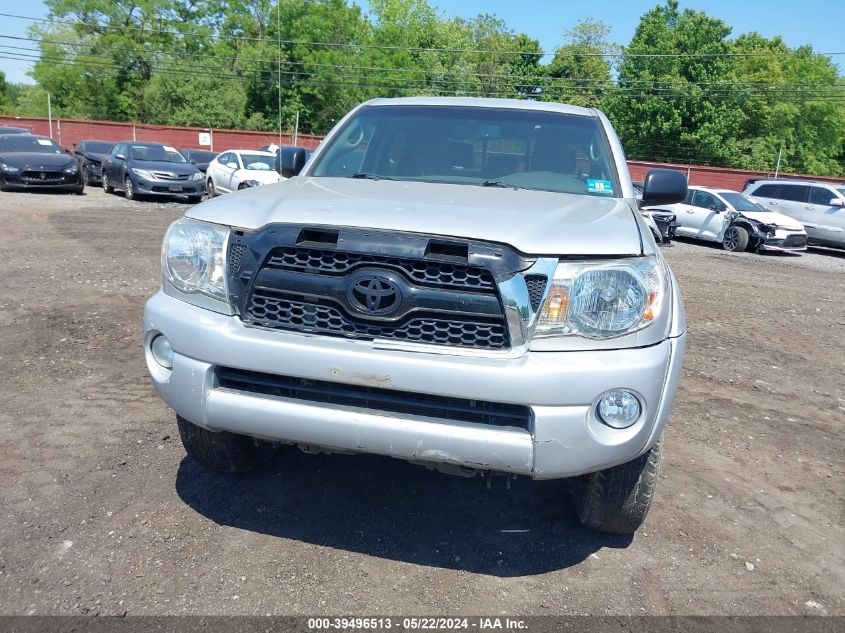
(735, 221)
(462, 283)
(819, 206)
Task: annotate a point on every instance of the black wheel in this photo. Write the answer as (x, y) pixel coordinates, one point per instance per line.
(735, 240)
(617, 499)
(209, 188)
(79, 190)
(107, 188)
(223, 452)
(129, 189)
(194, 199)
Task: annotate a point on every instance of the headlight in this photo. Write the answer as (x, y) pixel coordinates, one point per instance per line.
(143, 173)
(193, 257)
(197, 176)
(603, 299)
(71, 169)
(8, 168)
(247, 184)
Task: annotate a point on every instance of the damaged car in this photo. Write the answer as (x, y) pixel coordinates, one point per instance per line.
(734, 220)
(661, 223)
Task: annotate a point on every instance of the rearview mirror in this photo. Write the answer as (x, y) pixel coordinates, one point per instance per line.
(291, 161)
(663, 186)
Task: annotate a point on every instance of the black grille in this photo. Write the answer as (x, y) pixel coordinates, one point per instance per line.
(440, 274)
(536, 285)
(236, 251)
(277, 311)
(49, 176)
(375, 399)
(795, 241)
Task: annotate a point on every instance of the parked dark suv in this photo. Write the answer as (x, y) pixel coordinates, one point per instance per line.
(143, 169)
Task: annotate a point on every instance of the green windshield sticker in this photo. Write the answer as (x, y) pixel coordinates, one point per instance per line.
(600, 186)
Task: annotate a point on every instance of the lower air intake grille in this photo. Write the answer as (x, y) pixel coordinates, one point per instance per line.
(375, 399)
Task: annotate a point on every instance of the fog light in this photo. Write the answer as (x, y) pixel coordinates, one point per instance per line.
(618, 409)
(162, 351)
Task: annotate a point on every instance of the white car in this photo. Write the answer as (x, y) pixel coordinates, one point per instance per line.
(739, 223)
(241, 169)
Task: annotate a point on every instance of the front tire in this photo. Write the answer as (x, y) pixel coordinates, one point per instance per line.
(107, 188)
(209, 188)
(617, 499)
(223, 452)
(735, 240)
(129, 189)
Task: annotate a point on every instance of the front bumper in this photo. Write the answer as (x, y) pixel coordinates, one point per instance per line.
(146, 187)
(563, 437)
(786, 241)
(70, 182)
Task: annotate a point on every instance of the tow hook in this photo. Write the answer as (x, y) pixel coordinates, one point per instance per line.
(489, 475)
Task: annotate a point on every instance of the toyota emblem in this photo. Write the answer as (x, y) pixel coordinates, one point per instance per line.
(374, 295)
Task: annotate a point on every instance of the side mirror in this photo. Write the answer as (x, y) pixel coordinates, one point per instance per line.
(837, 202)
(664, 186)
(120, 157)
(232, 165)
(292, 160)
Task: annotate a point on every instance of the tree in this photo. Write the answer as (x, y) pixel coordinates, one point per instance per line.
(671, 101)
(580, 70)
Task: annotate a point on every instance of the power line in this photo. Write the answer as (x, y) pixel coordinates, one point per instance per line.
(583, 80)
(359, 46)
(300, 76)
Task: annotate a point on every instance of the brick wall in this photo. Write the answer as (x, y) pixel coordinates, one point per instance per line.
(721, 177)
(67, 132)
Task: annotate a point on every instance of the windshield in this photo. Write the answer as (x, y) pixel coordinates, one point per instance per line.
(258, 162)
(155, 152)
(98, 147)
(841, 192)
(741, 202)
(530, 149)
(20, 143)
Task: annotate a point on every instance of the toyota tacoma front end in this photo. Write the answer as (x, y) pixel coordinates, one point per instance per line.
(462, 283)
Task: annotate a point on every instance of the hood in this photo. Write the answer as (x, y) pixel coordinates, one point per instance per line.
(35, 160)
(94, 156)
(771, 217)
(179, 169)
(263, 176)
(534, 222)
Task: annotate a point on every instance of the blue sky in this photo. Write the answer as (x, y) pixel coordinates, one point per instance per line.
(813, 22)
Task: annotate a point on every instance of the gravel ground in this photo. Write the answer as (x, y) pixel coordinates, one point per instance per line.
(104, 514)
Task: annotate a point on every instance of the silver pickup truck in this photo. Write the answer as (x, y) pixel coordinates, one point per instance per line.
(462, 283)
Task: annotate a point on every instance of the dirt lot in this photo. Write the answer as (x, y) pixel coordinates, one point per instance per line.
(102, 512)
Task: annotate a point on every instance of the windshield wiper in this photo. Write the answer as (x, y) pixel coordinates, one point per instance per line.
(498, 183)
(363, 175)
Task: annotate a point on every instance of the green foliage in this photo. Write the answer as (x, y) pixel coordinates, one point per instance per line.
(579, 70)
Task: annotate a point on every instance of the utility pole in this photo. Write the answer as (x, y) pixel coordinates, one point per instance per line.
(296, 128)
(50, 114)
(279, 43)
(777, 167)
